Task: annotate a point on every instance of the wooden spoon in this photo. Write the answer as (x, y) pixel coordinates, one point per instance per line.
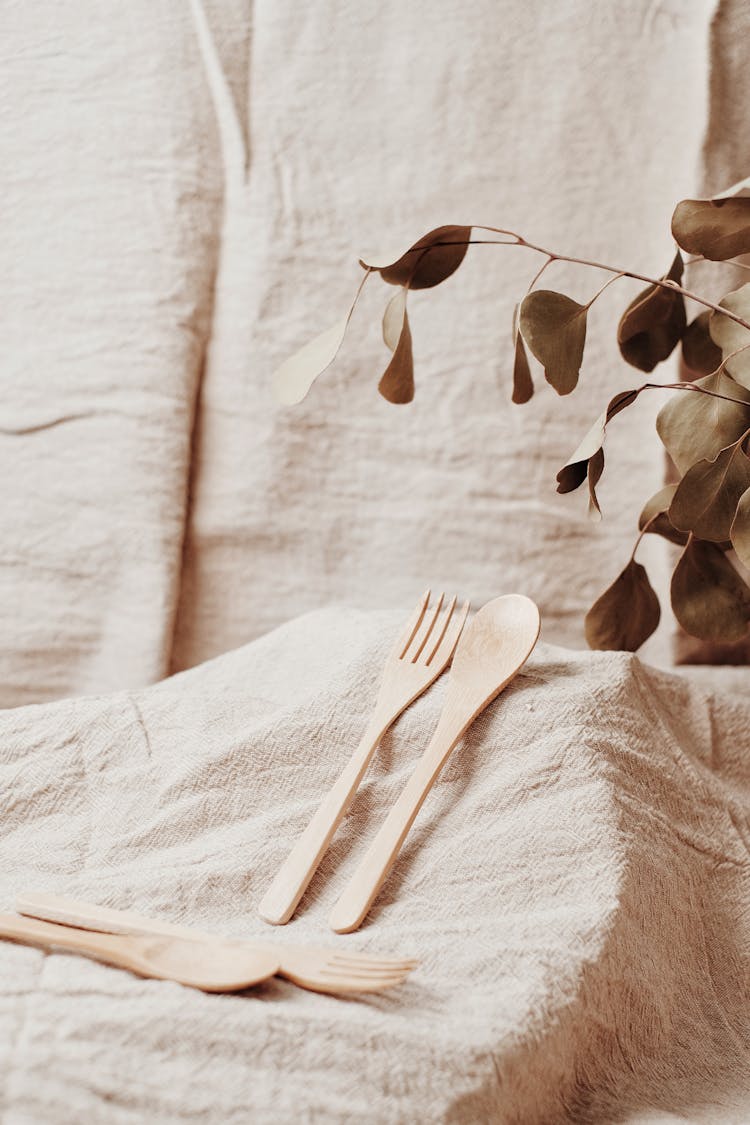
(221, 966)
(492, 649)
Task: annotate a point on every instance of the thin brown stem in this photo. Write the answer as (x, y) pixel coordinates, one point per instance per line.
(518, 240)
(606, 285)
(538, 273)
(643, 531)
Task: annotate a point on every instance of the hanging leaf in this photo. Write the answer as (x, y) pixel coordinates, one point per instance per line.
(626, 614)
(425, 264)
(696, 426)
(523, 384)
(699, 351)
(397, 382)
(293, 379)
(393, 319)
(718, 229)
(740, 530)
(554, 327)
(707, 496)
(654, 518)
(588, 459)
(653, 323)
(730, 336)
(709, 598)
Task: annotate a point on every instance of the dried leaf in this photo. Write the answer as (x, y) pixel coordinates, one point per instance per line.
(707, 496)
(718, 228)
(696, 426)
(425, 264)
(393, 319)
(653, 323)
(626, 614)
(740, 530)
(729, 335)
(397, 382)
(699, 351)
(588, 459)
(293, 379)
(654, 519)
(523, 384)
(554, 327)
(709, 598)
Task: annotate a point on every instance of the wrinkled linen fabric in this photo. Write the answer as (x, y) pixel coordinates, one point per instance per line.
(577, 888)
(111, 187)
(186, 189)
(357, 125)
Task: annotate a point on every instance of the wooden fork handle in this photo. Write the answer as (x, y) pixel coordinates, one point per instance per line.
(291, 881)
(364, 885)
(50, 936)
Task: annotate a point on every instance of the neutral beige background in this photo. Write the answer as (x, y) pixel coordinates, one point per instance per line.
(185, 190)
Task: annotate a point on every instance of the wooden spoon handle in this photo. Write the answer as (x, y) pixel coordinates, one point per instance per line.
(50, 936)
(363, 887)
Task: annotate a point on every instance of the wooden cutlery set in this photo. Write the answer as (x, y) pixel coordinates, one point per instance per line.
(486, 654)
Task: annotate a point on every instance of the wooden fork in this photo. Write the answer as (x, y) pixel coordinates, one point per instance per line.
(420, 655)
(316, 969)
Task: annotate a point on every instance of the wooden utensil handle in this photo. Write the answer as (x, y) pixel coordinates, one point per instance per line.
(50, 936)
(89, 916)
(363, 887)
(291, 881)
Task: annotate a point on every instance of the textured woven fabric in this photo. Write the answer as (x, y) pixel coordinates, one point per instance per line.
(155, 149)
(111, 191)
(577, 124)
(577, 887)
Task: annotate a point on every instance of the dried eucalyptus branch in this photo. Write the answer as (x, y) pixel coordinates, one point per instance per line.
(706, 432)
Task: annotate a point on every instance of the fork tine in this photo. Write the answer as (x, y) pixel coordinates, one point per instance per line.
(361, 961)
(377, 980)
(364, 970)
(430, 625)
(413, 624)
(441, 633)
(449, 638)
(347, 984)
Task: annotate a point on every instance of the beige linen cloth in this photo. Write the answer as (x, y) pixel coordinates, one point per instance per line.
(185, 188)
(577, 887)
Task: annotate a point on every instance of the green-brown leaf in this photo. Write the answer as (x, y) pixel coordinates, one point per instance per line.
(293, 379)
(393, 319)
(626, 614)
(730, 336)
(588, 459)
(718, 229)
(709, 598)
(426, 264)
(554, 327)
(707, 496)
(699, 352)
(695, 426)
(740, 530)
(654, 518)
(653, 323)
(523, 384)
(397, 382)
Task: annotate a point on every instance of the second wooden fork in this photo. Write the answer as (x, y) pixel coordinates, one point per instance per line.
(420, 655)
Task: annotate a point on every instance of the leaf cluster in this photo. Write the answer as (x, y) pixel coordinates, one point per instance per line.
(705, 427)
